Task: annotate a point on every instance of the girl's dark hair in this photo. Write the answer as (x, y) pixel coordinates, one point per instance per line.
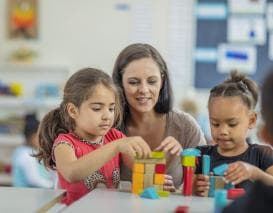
(267, 102)
(135, 52)
(78, 88)
(237, 85)
(30, 127)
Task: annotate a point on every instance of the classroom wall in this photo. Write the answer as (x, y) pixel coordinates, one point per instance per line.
(83, 33)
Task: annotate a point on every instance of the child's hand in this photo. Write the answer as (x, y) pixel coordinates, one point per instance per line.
(168, 184)
(238, 172)
(134, 147)
(201, 185)
(171, 145)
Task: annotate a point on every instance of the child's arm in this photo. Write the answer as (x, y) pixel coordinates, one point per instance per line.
(201, 185)
(74, 169)
(240, 171)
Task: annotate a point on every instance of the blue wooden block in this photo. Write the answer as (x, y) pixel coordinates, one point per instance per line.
(190, 152)
(220, 200)
(205, 164)
(211, 186)
(220, 170)
(149, 193)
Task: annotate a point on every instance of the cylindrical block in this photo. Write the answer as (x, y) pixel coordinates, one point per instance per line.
(188, 173)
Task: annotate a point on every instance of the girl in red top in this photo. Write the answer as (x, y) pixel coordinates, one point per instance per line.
(77, 138)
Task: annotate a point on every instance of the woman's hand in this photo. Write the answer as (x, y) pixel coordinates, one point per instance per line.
(168, 184)
(201, 185)
(238, 172)
(170, 145)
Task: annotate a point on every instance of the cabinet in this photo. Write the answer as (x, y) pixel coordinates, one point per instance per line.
(32, 78)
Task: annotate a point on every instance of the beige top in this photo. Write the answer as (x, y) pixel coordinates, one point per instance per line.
(187, 132)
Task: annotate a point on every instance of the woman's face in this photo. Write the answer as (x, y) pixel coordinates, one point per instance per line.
(142, 82)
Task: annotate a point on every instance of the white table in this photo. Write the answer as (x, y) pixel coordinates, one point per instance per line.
(28, 199)
(103, 200)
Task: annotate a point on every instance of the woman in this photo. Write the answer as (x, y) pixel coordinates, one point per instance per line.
(143, 79)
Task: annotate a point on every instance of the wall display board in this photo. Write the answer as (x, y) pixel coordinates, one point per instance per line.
(231, 35)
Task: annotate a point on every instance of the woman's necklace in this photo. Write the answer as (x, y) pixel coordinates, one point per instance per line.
(100, 142)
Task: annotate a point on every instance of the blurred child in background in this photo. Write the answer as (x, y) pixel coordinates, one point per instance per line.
(190, 106)
(26, 171)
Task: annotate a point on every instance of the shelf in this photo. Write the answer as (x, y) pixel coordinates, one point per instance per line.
(11, 140)
(11, 102)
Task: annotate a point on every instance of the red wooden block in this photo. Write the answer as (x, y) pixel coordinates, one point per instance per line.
(182, 209)
(160, 168)
(188, 173)
(234, 193)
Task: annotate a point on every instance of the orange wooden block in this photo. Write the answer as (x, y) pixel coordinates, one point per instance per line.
(138, 167)
(159, 179)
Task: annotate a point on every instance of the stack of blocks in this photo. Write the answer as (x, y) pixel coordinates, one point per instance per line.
(188, 161)
(149, 173)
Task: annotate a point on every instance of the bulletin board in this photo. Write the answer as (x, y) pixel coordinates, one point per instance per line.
(212, 32)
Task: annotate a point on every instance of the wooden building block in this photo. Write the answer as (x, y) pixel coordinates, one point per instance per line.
(188, 161)
(138, 178)
(159, 187)
(138, 167)
(137, 188)
(162, 193)
(158, 155)
(219, 182)
(159, 179)
(149, 168)
(152, 161)
(148, 180)
(160, 168)
(188, 174)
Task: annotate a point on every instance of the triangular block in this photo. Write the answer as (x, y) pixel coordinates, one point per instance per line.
(149, 193)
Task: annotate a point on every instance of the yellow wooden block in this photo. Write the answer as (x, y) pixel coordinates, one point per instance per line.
(149, 168)
(148, 180)
(162, 193)
(138, 178)
(159, 179)
(188, 161)
(137, 188)
(138, 167)
(158, 155)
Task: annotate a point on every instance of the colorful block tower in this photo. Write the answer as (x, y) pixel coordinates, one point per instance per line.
(149, 173)
(188, 161)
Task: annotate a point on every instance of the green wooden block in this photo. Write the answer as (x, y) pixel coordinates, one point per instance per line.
(158, 155)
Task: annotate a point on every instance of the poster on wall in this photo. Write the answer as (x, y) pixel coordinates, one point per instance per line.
(249, 29)
(22, 19)
(247, 6)
(240, 57)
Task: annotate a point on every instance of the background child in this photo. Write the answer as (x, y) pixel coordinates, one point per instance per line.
(231, 112)
(77, 139)
(26, 171)
(260, 197)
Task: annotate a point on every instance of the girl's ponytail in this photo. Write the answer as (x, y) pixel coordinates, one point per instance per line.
(51, 126)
